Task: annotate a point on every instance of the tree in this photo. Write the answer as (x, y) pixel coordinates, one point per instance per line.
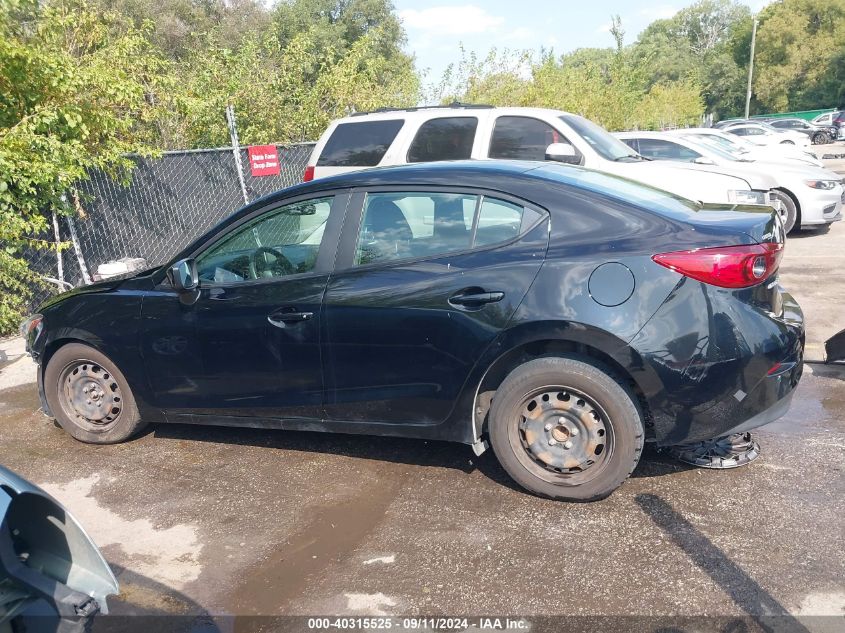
(77, 91)
(339, 24)
(177, 27)
(286, 94)
(800, 47)
(704, 44)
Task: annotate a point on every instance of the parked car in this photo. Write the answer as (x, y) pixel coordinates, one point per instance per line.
(720, 125)
(818, 134)
(562, 314)
(836, 118)
(52, 576)
(807, 196)
(397, 137)
(782, 154)
(761, 133)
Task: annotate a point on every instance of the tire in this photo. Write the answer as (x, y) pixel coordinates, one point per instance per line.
(787, 143)
(821, 138)
(789, 210)
(72, 370)
(567, 394)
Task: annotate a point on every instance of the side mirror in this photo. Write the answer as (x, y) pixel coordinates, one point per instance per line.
(703, 160)
(183, 275)
(562, 153)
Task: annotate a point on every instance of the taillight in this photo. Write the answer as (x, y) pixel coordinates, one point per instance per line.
(308, 176)
(726, 266)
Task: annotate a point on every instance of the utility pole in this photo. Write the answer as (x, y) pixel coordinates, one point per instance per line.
(750, 67)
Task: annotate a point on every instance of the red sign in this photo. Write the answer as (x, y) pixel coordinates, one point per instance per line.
(263, 160)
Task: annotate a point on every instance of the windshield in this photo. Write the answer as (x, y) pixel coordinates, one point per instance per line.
(710, 145)
(735, 144)
(599, 139)
(767, 126)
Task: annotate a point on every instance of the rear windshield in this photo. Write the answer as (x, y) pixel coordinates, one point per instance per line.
(623, 189)
(361, 144)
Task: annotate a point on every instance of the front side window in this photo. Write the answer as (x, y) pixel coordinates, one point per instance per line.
(359, 144)
(281, 242)
(522, 138)
(404, 225)
(449, 138)
(666, 150)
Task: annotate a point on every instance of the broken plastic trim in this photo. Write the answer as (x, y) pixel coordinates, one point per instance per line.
(834, 348)
(729, 451)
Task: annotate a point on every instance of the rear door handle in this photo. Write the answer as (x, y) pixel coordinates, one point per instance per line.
(280, 318)
(475, 299)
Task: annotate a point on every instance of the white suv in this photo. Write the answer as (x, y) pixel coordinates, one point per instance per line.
(415, 135)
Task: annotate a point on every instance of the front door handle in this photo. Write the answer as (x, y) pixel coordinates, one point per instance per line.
(475, 298)
(281, 318)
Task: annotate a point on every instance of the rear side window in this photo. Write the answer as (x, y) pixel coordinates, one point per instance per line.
(500, 221)
(361, 144)
(522, 138)
(405, 225)
(449, 138)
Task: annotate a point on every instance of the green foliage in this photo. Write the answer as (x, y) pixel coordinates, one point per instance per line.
(609, 86)
(800, 50)
(700, 44)
(286, 94)
(76, 91)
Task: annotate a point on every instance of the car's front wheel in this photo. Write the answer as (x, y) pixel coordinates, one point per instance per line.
(821, 138)
(788, 210)
(89, 396)
(566, 429)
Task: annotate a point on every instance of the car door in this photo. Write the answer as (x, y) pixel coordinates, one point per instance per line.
(247, 342)
(425, 281)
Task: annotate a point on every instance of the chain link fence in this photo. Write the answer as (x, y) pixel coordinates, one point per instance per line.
(168, 202)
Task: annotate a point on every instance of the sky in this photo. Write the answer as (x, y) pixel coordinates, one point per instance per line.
(436, 29)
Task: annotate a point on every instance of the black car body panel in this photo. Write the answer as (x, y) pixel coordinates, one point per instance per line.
(386, 352)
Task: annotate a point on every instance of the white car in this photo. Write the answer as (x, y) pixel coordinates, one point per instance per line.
(786, 154)
(808, 196)
(764, 134)
(396, 137)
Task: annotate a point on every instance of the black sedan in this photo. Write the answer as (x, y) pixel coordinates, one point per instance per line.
(819, 134)
(562, 315)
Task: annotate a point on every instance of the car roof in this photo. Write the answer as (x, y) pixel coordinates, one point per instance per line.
(434, 112)
(640, 134)
(495, 175)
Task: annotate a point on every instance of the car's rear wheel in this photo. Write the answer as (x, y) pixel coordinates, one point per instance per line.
(566, 429)
(788, 210)
(89, 396)
(787, 143)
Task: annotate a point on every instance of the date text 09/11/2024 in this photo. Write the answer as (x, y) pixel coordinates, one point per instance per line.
(419, 623)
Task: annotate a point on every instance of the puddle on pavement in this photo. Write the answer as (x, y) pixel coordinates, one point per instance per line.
(330, 536)
(17, 399)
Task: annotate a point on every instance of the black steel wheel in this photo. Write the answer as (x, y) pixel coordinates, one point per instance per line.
(564, 432)
(565, 428)
(89, 396)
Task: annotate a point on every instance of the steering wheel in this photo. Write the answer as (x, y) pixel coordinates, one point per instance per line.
(280, 266)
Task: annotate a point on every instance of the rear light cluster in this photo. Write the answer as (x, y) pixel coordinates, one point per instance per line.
(726, 266)
(308, 176)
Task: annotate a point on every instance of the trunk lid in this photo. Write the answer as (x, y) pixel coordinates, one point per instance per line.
(761, 224)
